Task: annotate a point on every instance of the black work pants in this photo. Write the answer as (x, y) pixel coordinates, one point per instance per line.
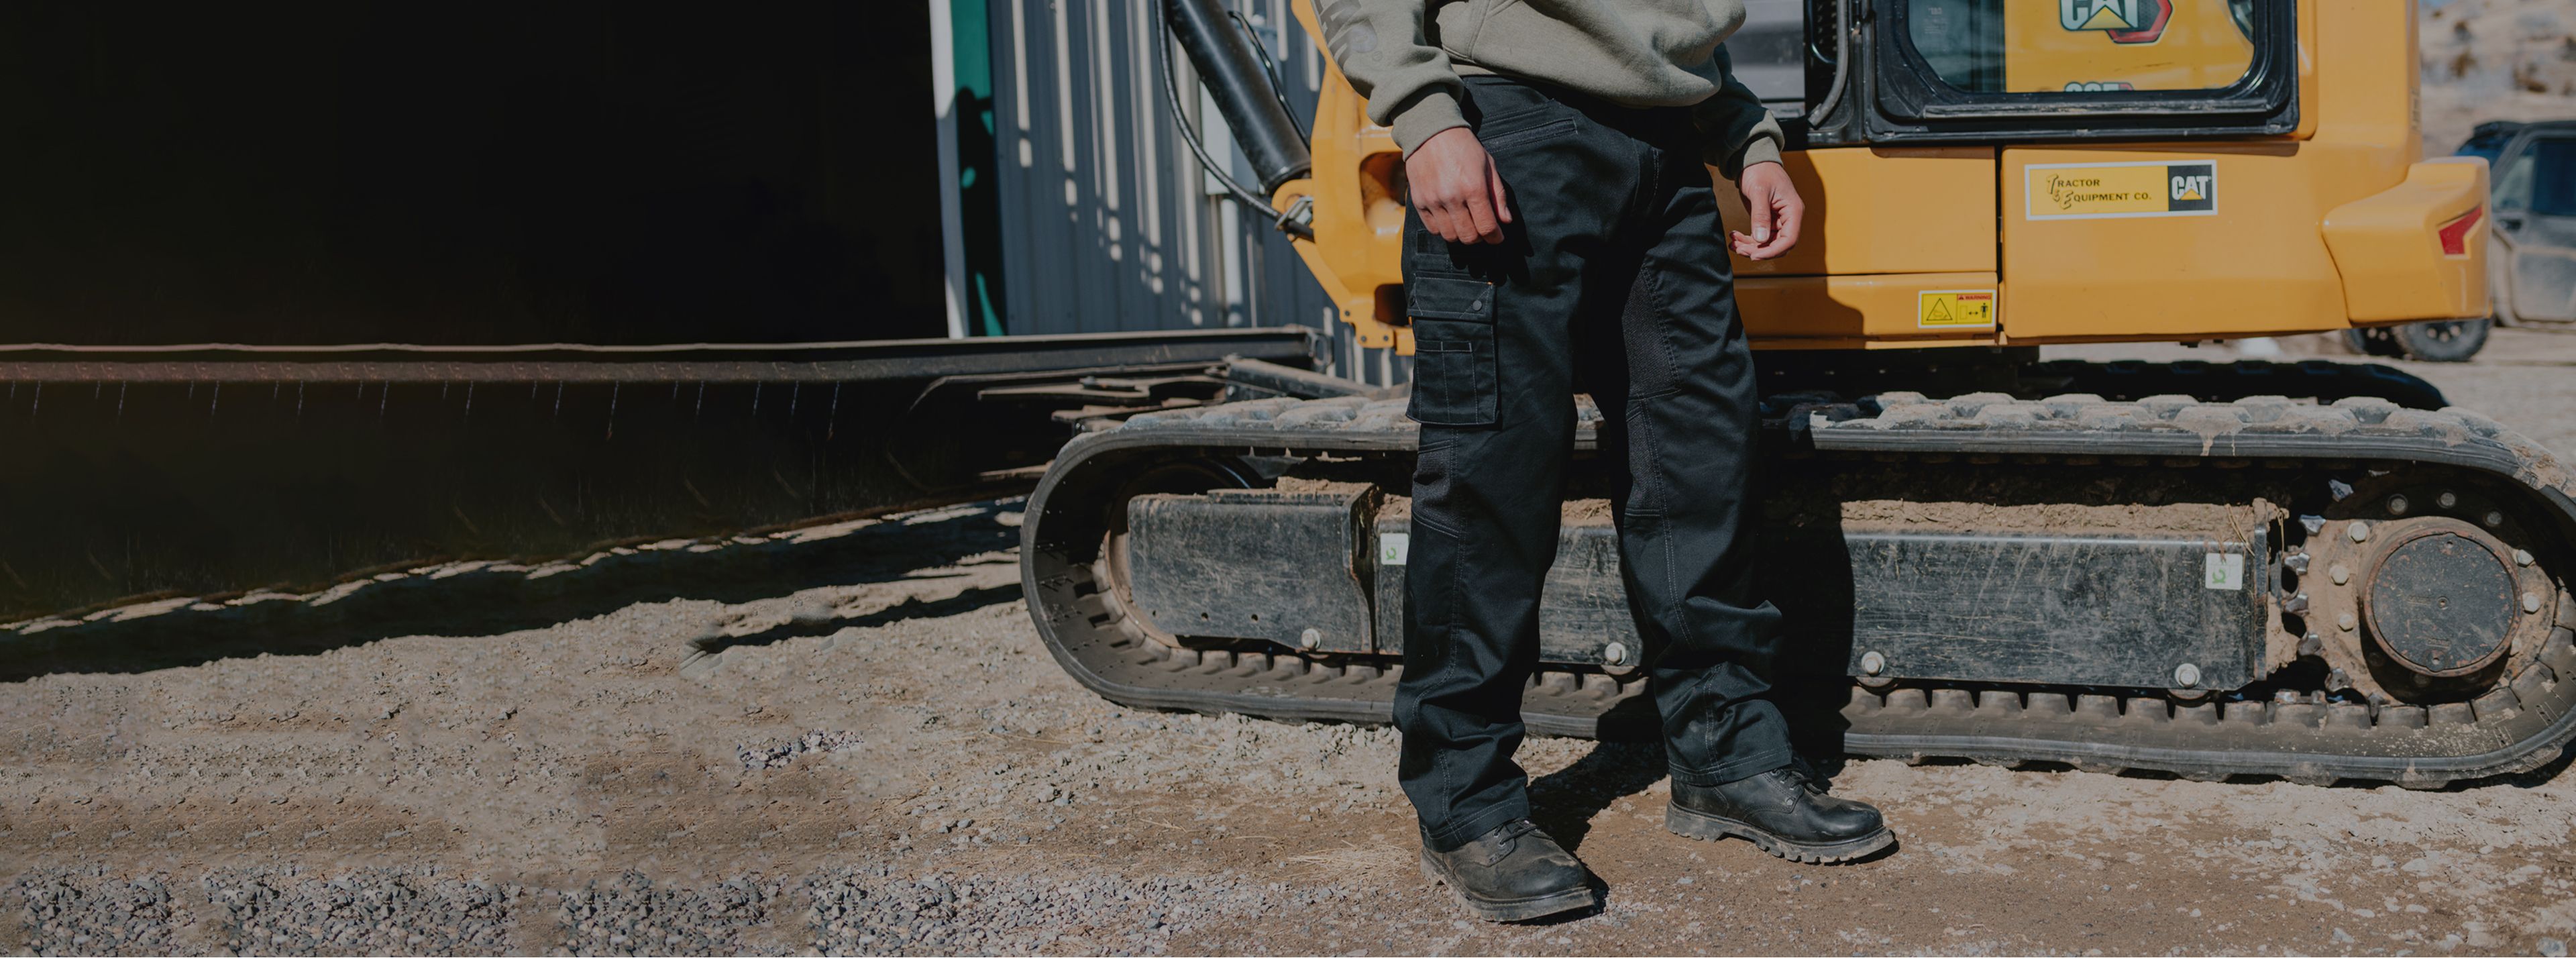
(1614, 275)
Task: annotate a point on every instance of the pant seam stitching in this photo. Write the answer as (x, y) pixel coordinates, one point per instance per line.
(1724, 772)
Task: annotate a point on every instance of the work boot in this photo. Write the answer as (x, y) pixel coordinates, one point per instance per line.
(1784, 813)
(1513, 873)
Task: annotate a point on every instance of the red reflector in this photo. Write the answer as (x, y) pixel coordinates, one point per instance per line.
(2455, 234)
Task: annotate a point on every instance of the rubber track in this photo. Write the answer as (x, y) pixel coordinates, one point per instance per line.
(2517, 726)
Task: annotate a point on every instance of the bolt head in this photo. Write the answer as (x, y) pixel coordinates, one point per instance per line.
(2358, 530)
(2446, 500)
(2186, 675)
(2494, 519)
(2346, 622)
(1872, 663)
(2531, 602)
(2522, 557)
(1616, 653)
(1310, 638)
(2340, 575)
(2397, 505)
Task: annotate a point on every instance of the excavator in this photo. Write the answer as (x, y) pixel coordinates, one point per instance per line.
(2314, 570)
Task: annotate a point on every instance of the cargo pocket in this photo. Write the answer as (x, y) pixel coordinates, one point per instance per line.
(1454, 381)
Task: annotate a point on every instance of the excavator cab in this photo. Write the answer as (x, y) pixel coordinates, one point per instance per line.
(2315, 570)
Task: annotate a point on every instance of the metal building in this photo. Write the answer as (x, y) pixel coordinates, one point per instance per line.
(1079, 208)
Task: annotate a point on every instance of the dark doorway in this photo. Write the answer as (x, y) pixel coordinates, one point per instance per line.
(310, 173)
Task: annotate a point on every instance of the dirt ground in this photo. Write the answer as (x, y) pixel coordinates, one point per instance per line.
(848, 739)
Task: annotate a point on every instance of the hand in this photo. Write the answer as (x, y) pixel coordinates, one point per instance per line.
(1773, 204)
(1455, 187)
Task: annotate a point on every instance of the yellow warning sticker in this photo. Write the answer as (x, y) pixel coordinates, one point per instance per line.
(1955, 309)
(2101, 191)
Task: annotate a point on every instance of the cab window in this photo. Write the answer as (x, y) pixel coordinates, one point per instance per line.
(2084, 46)
(2552, 176)
(2513, 183)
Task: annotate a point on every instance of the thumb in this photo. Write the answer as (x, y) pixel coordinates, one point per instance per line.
(1760, 211)
(1502, 197)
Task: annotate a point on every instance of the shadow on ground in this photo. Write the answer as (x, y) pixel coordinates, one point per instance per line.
(1564, 802)
(498, 601)
(816, 623)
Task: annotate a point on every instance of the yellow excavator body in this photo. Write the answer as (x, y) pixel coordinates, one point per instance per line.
(2336, 223)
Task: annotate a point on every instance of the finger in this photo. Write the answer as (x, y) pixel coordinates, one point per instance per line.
(1785, 234)
(1462, 228)
(1454, 210)
(1502, 197)
(1758, 210)
(1435, 220)
(1792, 223)
(1479, 220)
(1778, 244)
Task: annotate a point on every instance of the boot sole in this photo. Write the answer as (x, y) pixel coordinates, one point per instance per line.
(1706, 827)
(1522, 909)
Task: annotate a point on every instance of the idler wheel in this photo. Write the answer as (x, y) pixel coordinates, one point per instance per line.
(2439, 598)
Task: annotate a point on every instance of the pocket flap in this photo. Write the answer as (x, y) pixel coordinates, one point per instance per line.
(1450, 297)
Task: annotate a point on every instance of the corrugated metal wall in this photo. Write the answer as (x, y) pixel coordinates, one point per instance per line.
(1106, 223)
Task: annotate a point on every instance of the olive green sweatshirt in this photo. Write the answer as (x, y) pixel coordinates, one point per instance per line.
(1405, 56)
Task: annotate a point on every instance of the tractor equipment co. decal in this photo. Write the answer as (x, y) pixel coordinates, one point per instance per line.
(1955, 309)
(2124, 21)
(2100, 191)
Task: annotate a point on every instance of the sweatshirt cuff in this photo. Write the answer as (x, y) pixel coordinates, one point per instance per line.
(1430, 112)
(1762, 148)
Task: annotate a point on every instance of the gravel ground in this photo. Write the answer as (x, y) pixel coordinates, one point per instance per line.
(847, 739)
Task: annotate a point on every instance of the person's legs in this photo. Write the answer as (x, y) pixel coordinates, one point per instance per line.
(1685, 418)
(1686, 423)
(1493, 389)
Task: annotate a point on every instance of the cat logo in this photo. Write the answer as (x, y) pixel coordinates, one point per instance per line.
(2191, 187)
(2124, 21)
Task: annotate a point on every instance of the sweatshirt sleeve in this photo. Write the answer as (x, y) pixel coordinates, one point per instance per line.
(1383, 47)
(1739, 130)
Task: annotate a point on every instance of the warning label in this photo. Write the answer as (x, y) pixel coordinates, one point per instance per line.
(2092, 191)
(1955, 309)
